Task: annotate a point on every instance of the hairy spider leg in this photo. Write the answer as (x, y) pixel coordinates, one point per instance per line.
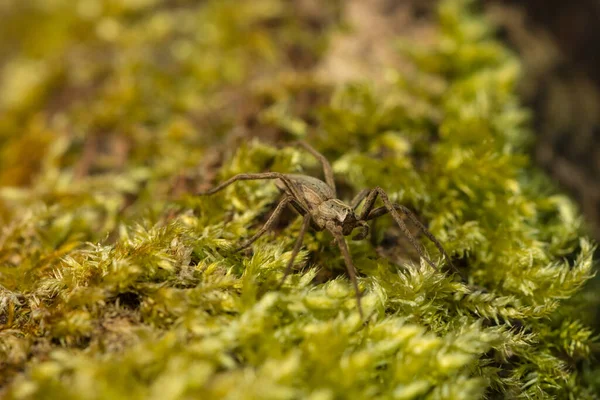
(272, 219)
(256, 176)
(378, 212)
(341, 242)
(355, 203)
(289, 184)
(327, 170)
(370, 201)
(296, 250)
(358, 198)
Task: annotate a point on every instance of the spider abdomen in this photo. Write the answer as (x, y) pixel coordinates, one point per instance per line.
(312, 190)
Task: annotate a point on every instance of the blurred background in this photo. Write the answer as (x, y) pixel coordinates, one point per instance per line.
(57, 54)
(559, 44)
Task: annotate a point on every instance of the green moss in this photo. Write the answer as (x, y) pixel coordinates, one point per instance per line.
(117, 282)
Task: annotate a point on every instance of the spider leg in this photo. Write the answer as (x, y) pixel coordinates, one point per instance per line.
(272, 219)
(327, 170)
(358, 198)
(296, 250)
(383, 210)
(376, 213)
(389, 206)
(339, 238)
(371, 196)
(248, 177)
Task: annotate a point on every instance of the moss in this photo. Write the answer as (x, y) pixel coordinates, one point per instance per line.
(117, 282)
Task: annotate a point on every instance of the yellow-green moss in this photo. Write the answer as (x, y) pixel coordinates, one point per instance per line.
(117, 282)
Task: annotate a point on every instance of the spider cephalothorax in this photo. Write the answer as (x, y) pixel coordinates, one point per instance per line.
(317, 202)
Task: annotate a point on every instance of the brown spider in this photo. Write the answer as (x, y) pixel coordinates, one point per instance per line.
(317, 202)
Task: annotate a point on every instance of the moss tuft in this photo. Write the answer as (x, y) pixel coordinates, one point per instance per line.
(116, 281)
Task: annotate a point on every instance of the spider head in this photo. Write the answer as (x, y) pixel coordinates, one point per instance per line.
(334, 210)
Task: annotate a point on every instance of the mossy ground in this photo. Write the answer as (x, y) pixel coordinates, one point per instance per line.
(116, 281)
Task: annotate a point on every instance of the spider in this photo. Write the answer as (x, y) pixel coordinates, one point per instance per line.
(317, 202)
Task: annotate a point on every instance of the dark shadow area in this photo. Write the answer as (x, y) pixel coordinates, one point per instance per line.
(558, 43)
